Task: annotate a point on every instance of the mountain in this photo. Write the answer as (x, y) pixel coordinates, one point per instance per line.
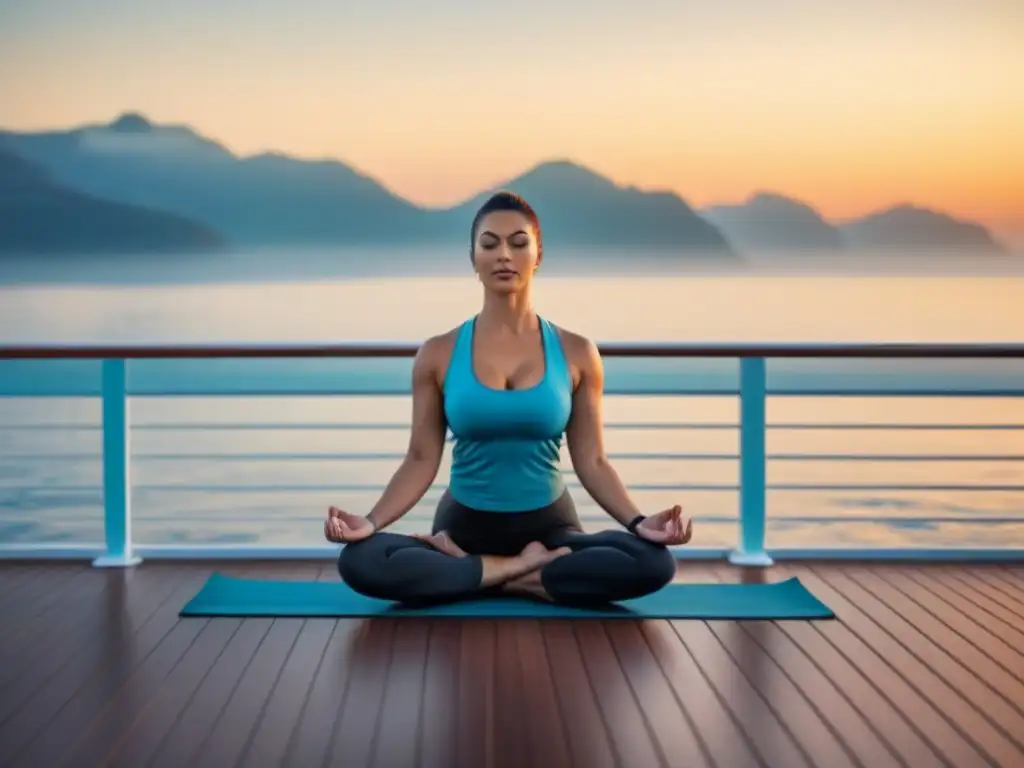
(770, 222)
(263, 199)
(274, 199)
(579, 207)
(38, 215)
(909, 227)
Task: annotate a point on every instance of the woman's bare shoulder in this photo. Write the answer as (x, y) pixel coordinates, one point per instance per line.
(580, 350)
(578, 347)
(435, 353)
(440, 344)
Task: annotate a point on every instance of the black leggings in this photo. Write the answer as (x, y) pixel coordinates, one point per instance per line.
(602, 567)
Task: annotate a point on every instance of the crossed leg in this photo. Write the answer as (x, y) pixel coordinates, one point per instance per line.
(601, 568)
(566, 567)
(430, 569)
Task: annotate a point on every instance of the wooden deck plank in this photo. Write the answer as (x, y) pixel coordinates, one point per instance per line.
(923, 668)
(859, 737)
(775, 742)
(1005, 589)
(191, 726)
(820, 741)
(1016, 571)
(91, 674)
(226, 741)
(355, 732)
(975, 605)
(69, 632)
(930, 719)
(998, 658)
(106, 716)
(21, 572)
(439, 726)
(36, 580)
(33, 607)
(626, 724)
(959, 712)
(511, 733)
(868, 681)
(475, 745)
(31, 611)
(725, 742)
(670, 723)
(401, 711)
(545, 732)
(130, 737)
(132, 744)
(269, 740)
(943, 651)
(979, 590)
(1012, 577)
(587, 734)
(68, 609)
(870, 699)
(310, 741)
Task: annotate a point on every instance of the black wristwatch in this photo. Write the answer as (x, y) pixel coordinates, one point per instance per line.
(634, 523)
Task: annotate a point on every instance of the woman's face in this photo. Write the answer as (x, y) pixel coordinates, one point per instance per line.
(506, 252)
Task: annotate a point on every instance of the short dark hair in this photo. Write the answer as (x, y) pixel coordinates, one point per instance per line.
(504, 201)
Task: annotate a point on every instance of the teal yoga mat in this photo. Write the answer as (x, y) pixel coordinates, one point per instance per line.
(230, 596)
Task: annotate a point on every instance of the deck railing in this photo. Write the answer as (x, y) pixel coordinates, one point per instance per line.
(115, 374)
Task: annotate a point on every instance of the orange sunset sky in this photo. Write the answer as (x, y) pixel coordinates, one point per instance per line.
(850, 105)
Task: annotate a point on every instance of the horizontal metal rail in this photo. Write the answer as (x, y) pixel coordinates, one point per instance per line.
(109, 379)
(328, 426)
(269, 488)
(901, 350)
(882, 458)
(199, 517)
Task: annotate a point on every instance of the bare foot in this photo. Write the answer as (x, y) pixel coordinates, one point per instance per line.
(442, 542)
(537, 555)
(530, 583)
(496, 569)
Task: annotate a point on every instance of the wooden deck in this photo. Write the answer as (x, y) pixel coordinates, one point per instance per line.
(924, 667)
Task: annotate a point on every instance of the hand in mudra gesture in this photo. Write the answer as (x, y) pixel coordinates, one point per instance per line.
(666, 527)
(342, 527)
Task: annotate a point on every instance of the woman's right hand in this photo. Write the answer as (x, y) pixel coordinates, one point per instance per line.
(343, 527)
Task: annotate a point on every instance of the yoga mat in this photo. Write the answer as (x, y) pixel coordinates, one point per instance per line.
(230, 596)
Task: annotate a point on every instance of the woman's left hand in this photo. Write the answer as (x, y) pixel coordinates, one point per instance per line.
(666, 527)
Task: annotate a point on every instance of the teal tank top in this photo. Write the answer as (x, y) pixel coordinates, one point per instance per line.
(508, 442)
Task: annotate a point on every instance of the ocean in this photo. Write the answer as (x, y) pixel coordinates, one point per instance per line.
(262, 470)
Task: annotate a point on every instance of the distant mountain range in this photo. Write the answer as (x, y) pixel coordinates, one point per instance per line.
(207, 193)
(577, 206)
(772, 222)
(38, 215)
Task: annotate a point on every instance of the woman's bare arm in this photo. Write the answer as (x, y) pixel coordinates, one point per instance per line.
(418, 469)
(585, 434)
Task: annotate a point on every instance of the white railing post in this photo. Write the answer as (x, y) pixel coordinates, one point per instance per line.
(117, 509)
(753, 463)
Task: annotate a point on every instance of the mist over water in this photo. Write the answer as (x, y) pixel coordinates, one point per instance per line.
(303, 264)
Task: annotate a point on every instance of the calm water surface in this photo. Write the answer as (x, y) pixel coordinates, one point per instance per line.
(252, 480)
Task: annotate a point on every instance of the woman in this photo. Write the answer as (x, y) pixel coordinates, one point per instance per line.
(508, 384)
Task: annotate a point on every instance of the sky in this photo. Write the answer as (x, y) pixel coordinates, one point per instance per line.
(850, 105)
